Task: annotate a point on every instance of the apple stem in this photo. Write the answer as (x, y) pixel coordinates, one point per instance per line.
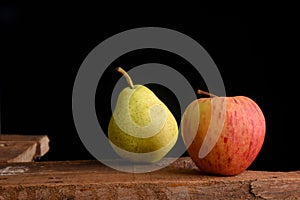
(128, 79)
(206, 93)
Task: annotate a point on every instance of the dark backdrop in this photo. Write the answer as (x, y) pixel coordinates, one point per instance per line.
(43, 47)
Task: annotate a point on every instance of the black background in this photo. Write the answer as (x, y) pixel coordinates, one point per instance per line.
(42, 48)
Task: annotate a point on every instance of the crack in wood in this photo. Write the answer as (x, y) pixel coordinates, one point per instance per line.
(10, 170)
(253, 192)
(270, 189)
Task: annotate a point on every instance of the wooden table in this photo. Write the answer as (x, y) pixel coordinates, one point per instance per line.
(22, 148)
(181, 180)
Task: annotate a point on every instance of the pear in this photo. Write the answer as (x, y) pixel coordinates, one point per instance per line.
(142, 128)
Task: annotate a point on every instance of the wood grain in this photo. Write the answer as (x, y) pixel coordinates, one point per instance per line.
(22, 148)
(180, 180)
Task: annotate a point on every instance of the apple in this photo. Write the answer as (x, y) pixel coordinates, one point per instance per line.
(223, 135)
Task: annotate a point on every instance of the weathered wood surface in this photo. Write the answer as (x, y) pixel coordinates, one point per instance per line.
(181, 180)
(22, 148)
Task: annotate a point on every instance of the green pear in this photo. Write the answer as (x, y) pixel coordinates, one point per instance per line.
(142, 128)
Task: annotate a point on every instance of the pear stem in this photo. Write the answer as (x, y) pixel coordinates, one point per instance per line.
(128, 79)
(206, 93)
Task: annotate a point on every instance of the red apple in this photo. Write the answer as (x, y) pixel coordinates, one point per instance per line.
(223, 135)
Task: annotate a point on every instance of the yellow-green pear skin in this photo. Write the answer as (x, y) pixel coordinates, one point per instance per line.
(141, 129)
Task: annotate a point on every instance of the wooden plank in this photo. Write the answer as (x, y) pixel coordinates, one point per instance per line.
(17, 151)
(181, 180)
(22, 148)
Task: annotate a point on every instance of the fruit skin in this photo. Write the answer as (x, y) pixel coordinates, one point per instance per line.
(135, 105)
(240, 140)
